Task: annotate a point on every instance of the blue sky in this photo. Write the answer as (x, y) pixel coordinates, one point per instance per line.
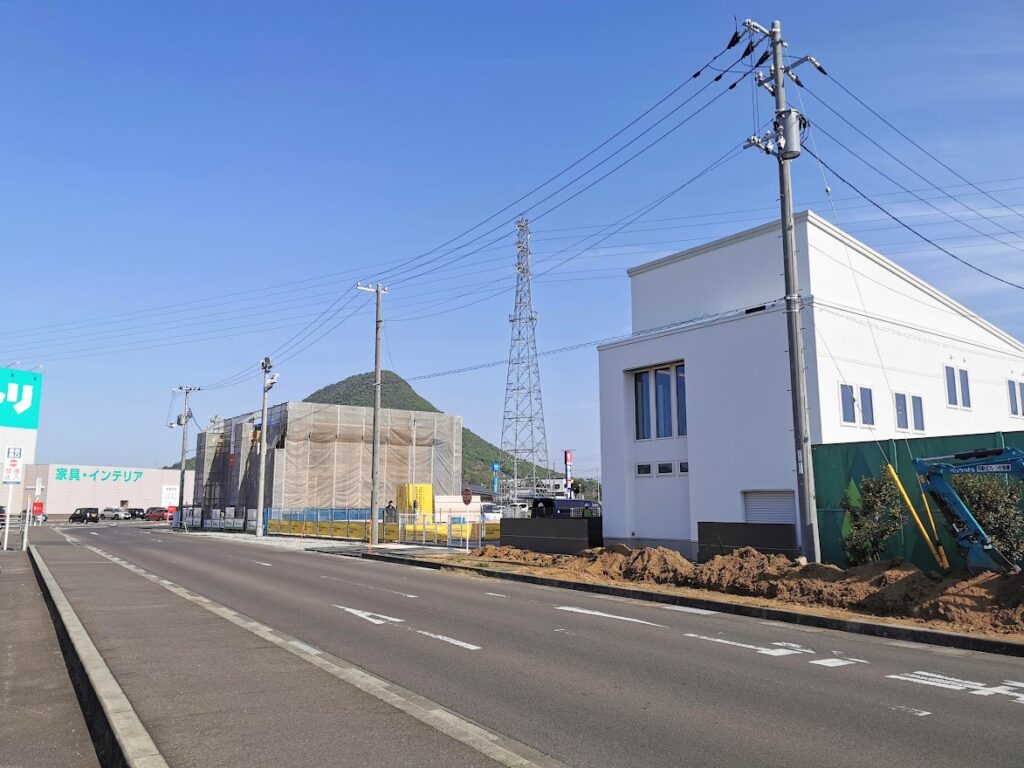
(186, 185)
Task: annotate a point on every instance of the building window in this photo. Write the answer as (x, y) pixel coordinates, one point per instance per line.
(965, 390)
(950, 386)
(913, 416)
(684, 467)
(642, 404)
(665, 467)
(1012, 388)
(663, 401)
(643, 470)
(957, 397)
(902, 417)
(681, 399)
(867, 407)
(849, 412)
(917, 408)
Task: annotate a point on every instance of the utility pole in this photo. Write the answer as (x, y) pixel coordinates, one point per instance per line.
(182, 421)
(268, 382)
(380, 290)
(784, 143)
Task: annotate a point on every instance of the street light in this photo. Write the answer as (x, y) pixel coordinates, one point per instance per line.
(269, 380)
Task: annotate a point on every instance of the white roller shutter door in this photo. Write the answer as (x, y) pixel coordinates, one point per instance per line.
(769, 507)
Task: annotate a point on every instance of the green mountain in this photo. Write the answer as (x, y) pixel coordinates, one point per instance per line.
(477, 453)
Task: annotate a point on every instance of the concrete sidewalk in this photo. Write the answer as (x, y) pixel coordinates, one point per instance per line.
(41, 722)
(211, 693)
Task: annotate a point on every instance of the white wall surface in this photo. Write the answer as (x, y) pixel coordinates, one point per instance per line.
(106, 489)
(738, 427)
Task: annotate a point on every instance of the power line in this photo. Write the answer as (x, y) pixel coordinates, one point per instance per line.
(966, 181)
(910, 228)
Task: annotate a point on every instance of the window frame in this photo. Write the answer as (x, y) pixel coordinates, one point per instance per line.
(1013, 397)
(959, 377)
(906, 410)
(667, 369)
(856, 391)
(648, 464)
(671, 468)
(675, 415)
(913, 414)
(644, 376)
(684, 467)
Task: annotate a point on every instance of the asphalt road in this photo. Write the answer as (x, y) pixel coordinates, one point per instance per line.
(599, 681)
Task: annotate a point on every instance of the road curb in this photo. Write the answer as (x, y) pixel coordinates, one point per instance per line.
(855, 626)
(119, 736)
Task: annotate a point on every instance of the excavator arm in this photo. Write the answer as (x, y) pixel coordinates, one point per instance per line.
(974, 543)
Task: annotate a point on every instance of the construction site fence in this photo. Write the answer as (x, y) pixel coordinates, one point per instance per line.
(466, 530)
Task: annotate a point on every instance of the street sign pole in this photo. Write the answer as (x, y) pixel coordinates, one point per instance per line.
(7, 514)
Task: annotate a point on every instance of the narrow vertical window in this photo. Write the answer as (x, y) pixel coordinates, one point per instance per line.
(965, 390)
(1021, 398)
(681, 400)
(918, 408)
(902, 420)
(1012, 387)
(642, 404)
(867, 407)
(950, 386)
(663, 402)
(846, 395)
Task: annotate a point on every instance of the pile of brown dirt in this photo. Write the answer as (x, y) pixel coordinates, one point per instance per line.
(987, 602)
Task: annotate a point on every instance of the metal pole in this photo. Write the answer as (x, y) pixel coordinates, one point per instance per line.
(7, 515)
(266, 364)
(185, 416)
(375, 459)
(798, 385)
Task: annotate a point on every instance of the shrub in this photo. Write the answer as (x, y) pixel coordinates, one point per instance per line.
(994, 501)
(872, 522)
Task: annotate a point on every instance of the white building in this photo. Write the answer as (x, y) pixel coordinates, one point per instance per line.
(696, 418)
(65, 487)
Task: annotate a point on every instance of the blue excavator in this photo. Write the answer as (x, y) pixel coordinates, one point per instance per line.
(974, 543)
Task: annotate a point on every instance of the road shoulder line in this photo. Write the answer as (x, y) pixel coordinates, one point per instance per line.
(502, 749)
(120, 737)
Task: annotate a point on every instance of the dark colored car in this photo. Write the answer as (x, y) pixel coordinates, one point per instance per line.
(136, 512)
(85, 515)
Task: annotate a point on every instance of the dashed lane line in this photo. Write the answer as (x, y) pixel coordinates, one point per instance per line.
(502, 749)
(602, 614)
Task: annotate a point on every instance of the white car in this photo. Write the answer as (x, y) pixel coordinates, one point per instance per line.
(115, 513)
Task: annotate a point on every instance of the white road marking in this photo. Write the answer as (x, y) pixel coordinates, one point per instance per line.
(494, 594)
(93, 533)
(373, 618)
(307, 648)
(832, 662)
(688, 609)
(370, 586)
(1009, 688)
(571, 609)
(452, 640)
(260, 562)
(911, 710)
(795, 647)
(763, 651)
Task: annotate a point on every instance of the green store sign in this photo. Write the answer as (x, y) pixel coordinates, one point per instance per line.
(98, 475)
(20, 393)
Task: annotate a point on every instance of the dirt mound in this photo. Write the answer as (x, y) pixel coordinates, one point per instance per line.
(987, 602)
(660, 565)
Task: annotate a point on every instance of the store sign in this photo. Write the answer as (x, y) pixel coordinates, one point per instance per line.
(169, 496)
(19, 398)
(99, 475)
(14, 466)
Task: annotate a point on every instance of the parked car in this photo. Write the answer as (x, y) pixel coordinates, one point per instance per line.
(167, 515)
(136, 512)
(85, 515)
(155, 514)
(115, 513)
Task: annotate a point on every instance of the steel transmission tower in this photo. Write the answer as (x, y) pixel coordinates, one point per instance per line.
(523, 435)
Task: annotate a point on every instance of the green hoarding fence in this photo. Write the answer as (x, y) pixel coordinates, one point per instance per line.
(20, 393)
(838, 468)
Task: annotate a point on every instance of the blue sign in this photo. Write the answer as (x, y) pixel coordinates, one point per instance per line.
(495, 467)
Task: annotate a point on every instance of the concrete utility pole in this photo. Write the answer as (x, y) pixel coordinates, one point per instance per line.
(784, 143)
(380, 290)
(268, 382)
(186, 414)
